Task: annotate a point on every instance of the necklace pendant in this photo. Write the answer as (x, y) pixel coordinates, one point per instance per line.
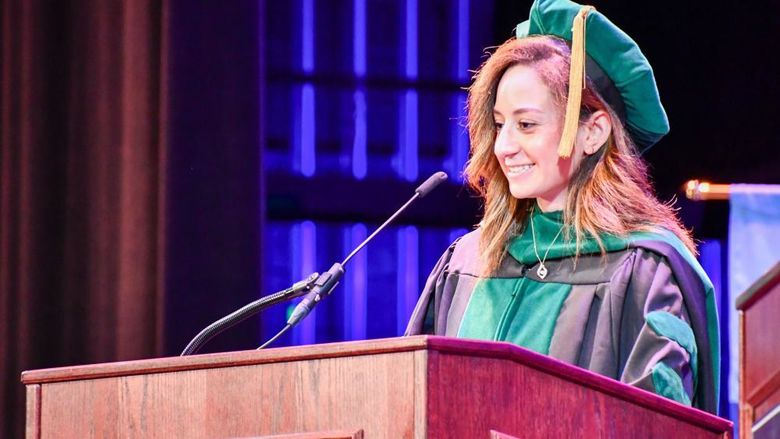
(541, 271)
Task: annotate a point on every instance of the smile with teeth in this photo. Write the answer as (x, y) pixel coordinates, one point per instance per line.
(513, 171)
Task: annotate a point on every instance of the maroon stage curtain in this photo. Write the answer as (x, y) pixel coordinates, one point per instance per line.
(82, 173)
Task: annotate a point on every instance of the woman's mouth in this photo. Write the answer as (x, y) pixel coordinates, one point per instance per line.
(514, 171)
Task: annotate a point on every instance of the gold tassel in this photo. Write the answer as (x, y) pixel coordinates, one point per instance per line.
(576, 84)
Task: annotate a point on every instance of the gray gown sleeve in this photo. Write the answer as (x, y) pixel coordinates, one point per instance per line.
(424, 316)
(657, 346)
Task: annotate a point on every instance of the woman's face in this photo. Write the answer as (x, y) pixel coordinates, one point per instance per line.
(528, 129)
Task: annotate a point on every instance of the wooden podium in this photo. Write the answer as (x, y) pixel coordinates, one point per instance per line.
(759, 357)
(414, 387)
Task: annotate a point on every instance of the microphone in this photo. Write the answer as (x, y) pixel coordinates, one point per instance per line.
(328, 280)
(296, 290)
(430, 184)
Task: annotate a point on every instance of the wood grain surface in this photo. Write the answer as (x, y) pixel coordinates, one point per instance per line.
(762, 345)
(530, 403)
(33, 419)
(362, 392)
(413, 387)
(759, 349)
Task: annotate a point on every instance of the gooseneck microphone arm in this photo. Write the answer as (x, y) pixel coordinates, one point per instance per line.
(327, 281)
(421, 191)
(380, 228)
(315, 286)
(298, 289)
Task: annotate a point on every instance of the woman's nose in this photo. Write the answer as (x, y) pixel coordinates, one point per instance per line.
(506, 142)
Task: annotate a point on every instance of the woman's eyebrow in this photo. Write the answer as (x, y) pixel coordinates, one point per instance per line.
(520, 110)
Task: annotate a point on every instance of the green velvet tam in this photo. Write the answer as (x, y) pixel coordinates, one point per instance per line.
(617, 56)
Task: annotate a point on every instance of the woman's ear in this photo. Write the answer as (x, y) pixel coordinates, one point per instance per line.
(596, 131)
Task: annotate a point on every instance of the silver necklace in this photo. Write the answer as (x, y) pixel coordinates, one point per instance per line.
(542, 270)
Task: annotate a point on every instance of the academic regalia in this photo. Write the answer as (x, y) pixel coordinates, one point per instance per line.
(643, 314)
(644, 311)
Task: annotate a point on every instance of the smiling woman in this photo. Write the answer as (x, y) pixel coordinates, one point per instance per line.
(575, 257)
(529, 124)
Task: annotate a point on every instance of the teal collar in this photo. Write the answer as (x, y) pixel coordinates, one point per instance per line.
(547, 226)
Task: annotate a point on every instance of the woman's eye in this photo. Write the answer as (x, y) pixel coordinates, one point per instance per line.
(520, 125)
(525, 125)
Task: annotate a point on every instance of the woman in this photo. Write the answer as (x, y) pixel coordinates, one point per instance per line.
(575, 257)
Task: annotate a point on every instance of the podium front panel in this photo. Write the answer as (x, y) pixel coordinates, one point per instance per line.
(414, 387)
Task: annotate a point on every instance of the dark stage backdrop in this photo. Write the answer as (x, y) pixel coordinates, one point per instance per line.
(164, 162)
(130, 202)
(83, 159)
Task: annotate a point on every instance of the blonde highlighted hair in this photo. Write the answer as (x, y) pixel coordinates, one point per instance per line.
(609, 193)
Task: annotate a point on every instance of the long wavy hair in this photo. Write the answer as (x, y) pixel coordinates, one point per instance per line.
(609, 193)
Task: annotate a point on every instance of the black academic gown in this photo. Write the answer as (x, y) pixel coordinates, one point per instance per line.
(630, 315)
